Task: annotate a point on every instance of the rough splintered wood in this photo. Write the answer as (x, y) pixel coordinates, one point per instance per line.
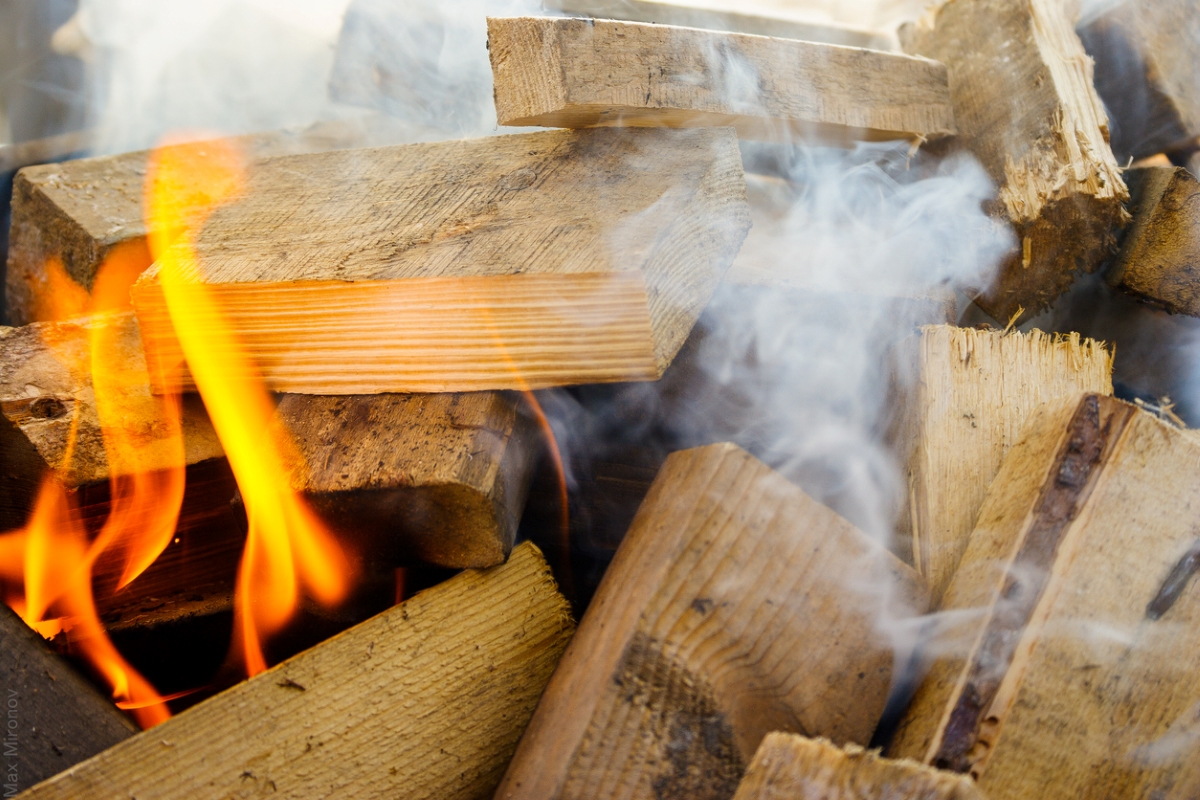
(1159, 260)
(1025, 107)
(1076, 676)
(735, 606)
(787, 767)
(442, 478)
(53, 717)
(426, 700)
(746, 20)
(579, 73)
(1146, 66)
(510, 262)
(79, 211)
(973, 391)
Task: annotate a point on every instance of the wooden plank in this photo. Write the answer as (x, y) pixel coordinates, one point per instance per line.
(578, 73)
(426, 700)
(1075, 673)
(1145, 68)
(1025, 107)
(790, 766)
(729, 611)
(765, 22)
(971, 392)
(80, 211)
(467, 253)
(1159, 260)
(53, 717)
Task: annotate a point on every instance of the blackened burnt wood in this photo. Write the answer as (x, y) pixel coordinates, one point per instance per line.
(735, 606)
(1025, 107)
(1159, 260)
(1073, 674)
(53, 717)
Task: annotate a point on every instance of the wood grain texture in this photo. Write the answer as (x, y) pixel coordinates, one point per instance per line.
(1078, 677)
(442, 267)
(1025, 107)
(735, 606)
(426, 700)
(80, 211)
(54, 718)
(1159, 260)
(973, 391)
(787, 767)
(578, 73)
(748, 19)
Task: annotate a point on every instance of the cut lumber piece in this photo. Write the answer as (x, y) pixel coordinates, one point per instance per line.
(1080, 617)
(80, 211)
(787, 766)
(53, 717)
(1146, 66)
(1025, 107)
(735, 606)
(442, 478)
(426, 700)
(581, 73)
(557, 257)
(972, 393)
(769, 22)
(1159, 261)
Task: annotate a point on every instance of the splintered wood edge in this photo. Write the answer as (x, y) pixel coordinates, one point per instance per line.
(455, 669)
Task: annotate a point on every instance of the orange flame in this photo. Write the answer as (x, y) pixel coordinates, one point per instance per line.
(287, 546)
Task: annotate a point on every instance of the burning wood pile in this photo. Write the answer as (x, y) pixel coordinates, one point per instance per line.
(289, 421)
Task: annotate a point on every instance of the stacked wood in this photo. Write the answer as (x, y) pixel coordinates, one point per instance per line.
(53, 718)
(510, 262)
(766, 22)
(735, 606)
(426, 700)
(787, 766)
(81, 211)
(1146, 65)
(580, 73)
(1025, 107)
(972, 393)
(1159, 260)
(1078, 678)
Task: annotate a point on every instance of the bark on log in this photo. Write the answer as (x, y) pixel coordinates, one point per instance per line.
(578, 73)
(728, 612)
(971, 394)
(789, 766)
(1025, 107)
(1078, 617)
(426, 700)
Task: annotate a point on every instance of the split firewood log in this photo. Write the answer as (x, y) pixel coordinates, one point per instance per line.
(972, 392)
(1159, 260)
(54, 718)
(735, 606)
(788, 766)
(1025, 107)
(426, 700)
(1078, 617)
(580, 73)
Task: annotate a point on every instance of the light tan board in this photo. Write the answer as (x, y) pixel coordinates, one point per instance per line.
(1082, 680)
(426, 700)
(973, 393)
(519, 261)
(736, 605)
(1025, 107)
(788, 767)
(580, 73)
(746, 19)
(1159, 260)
